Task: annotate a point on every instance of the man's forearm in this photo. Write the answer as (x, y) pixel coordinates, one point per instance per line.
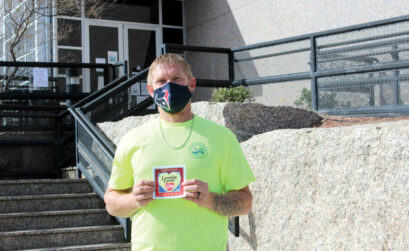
(120, 204)
(233, 203)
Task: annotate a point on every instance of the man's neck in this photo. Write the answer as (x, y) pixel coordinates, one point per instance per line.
(182, 116)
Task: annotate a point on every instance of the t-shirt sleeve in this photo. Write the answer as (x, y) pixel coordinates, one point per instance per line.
(122, 172)
(237, 172)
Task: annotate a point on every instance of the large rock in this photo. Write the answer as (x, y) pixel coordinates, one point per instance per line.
(244, 119)
(344, 188)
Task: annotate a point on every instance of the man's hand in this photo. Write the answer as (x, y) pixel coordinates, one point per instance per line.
(143, 192)
(123, 203)
(198, 192)
(233, 203)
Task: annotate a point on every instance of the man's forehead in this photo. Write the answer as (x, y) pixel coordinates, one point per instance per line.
(168, 69)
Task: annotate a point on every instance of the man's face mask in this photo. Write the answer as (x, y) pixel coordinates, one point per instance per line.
(172, 98)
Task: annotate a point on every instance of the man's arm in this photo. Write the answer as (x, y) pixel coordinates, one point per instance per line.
(123, 203)
(233, 203)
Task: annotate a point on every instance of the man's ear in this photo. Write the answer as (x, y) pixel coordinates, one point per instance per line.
(150, 89)
(192, 84)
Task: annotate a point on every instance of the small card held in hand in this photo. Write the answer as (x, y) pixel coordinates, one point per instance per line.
(168, 182)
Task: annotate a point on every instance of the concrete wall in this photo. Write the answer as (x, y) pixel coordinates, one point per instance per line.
(233, 23)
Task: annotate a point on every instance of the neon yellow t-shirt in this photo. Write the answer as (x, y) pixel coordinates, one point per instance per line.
(211, 154)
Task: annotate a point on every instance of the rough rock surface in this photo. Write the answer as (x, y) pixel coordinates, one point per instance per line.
(335, 188)
(244, 119)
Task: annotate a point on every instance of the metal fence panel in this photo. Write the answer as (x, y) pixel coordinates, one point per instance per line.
(273, 60)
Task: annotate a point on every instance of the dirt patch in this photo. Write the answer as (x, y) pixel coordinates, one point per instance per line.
(334, 121)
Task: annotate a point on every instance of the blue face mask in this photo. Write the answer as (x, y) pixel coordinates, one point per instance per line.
(172, 98)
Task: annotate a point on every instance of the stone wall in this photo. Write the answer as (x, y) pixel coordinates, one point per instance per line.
(317, 188)
(244, 119)
(341, 188)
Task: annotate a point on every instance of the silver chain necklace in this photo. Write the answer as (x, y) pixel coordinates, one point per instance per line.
(184, 142)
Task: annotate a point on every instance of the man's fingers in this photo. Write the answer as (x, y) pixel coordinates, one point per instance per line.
(143, 189)
(145, 183)
(192, 188)
(195, 195)
(192, 182)
(143, 196)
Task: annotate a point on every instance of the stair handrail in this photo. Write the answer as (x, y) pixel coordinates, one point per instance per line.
(79, 110)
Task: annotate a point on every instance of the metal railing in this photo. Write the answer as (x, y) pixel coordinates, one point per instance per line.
(212, 67)
(95, 151)
(34, 122)
(356, 70)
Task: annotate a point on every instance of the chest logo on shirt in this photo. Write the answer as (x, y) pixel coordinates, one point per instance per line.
(198, 150)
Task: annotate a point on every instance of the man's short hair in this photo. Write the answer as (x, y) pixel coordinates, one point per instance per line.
(169, 59)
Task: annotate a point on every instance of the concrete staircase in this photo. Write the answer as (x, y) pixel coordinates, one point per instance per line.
(53, 214)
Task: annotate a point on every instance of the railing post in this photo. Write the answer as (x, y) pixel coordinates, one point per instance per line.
(78, 174)
(106, 75)
(58, 144)
(163, 49)
(231, 67)
(113, 68)
(313, 66)
(396, 73)
(126, 67)
(128, 229)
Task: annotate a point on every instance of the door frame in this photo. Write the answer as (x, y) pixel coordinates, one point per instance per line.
(130, 26)
(123, 49)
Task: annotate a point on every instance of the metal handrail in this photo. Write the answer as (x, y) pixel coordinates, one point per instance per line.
(112, 91)
(99, 139)
(56, 64)
(79, 110)
(206, 82)
(324, 33)
(97, 93)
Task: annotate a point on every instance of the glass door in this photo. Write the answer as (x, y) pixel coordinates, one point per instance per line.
(105, 41)
(141, 44)
(110, 40)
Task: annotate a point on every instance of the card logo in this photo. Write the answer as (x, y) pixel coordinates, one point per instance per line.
(198, 150)
(169, 182)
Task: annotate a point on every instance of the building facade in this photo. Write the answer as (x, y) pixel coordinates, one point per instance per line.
(135, 30)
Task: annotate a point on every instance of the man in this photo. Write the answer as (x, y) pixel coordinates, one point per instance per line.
(216, 178)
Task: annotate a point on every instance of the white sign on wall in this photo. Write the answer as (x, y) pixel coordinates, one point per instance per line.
(112, 57)
(100, 61)
(40, 77)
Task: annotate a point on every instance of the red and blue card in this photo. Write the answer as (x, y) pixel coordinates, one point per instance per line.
(168, 182)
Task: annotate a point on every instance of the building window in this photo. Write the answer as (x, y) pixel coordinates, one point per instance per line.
(68, 8)
(172, 36)
(69, 32)
(172, 12)
(142, 11)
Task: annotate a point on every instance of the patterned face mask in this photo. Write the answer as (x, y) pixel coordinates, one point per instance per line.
(172, 98)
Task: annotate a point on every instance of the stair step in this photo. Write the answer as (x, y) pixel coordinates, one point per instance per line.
(48, 238)
(54, 202)
(55, 219)
(43, 186)
(105, 247)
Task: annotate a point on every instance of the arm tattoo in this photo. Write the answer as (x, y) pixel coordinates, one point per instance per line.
(228, 205)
